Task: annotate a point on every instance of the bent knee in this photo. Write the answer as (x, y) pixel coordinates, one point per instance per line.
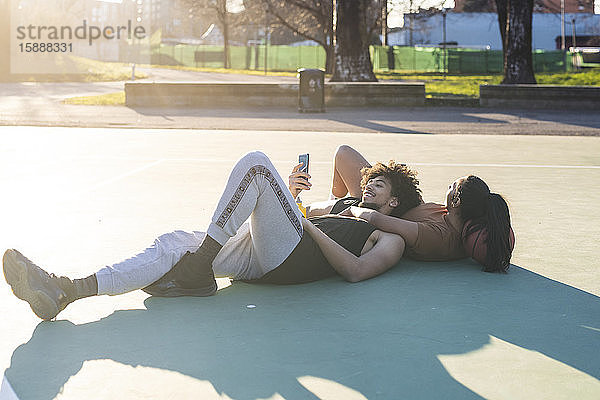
(255, 157)
(176, 240)
(257, 154)
(343, 151)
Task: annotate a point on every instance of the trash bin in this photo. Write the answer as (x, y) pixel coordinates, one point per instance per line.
(311, 90)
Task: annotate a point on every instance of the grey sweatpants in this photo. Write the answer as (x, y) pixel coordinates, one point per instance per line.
(250, 249)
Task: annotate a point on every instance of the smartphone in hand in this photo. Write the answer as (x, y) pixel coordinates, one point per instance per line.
(303, 159)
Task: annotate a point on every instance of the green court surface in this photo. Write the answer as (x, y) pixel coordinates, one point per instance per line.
(74, 200)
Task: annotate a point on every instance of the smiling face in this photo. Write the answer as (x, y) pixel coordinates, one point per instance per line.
(377, 195)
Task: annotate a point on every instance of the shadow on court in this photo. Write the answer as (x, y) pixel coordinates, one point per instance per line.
(409, 120)
(381, 337)
(480, 115)
(356, 116)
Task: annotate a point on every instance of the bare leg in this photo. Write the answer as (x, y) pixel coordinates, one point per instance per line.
(347, 164)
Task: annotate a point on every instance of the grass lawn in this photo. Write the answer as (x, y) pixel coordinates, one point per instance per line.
(460, 86)
(467, 86)
(589, 77)
(97, 71)
(83, 70)
(108, 99)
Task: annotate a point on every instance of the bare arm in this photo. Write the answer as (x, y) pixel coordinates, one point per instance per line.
(382, 256)
(409, 230)
(319, 208)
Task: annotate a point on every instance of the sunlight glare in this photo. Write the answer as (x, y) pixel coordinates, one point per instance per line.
(502, 370)
(326, 389)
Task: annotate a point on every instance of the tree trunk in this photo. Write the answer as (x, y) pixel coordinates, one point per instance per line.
(329, 49)
(516, 43)
(502, 10)
(226, 46)
(223, 16)
(329, 59)
(351, 43)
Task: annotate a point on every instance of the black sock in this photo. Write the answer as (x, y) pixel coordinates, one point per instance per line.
(79, 288)
(209, 249)
(197, 266)
(86, 287)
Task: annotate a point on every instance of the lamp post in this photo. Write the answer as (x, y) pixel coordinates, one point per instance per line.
(444, 12)
(384, 15)
(266, 7)
(411, 21)
(562, 33)
(562, 25)
(573, 33)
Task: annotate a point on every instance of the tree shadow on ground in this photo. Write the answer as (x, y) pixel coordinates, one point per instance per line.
(381, 337)
(385, 119)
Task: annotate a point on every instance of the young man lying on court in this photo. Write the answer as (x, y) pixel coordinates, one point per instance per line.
(474, 222)
(277, 245)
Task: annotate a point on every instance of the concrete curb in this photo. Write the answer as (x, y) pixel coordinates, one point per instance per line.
(540, 96)
(337, 94)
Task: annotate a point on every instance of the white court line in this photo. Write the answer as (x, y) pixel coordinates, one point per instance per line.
(411, 163)
(509, 165)
(6, 390)
(125, 175)
(589, 327)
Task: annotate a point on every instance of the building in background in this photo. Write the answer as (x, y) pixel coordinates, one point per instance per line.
(480, 29)
(542, 6)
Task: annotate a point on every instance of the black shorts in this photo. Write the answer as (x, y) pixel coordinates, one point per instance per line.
(306, 263)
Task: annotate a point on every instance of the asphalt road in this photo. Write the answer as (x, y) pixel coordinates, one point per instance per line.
(40, 104)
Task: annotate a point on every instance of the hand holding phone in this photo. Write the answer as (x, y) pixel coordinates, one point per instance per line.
(299, 178)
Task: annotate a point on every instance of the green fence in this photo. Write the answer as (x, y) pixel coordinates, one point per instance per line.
(278, 58)
(459, 61)
(396, 58)
(552, 61)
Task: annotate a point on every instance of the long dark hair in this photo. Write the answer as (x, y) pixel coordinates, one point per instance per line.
(487, 210)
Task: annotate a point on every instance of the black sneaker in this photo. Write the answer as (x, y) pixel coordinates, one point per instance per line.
(177, 282)
(45, 293)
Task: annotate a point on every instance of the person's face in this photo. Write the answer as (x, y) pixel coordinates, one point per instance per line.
(377, 195)
(452, 199)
